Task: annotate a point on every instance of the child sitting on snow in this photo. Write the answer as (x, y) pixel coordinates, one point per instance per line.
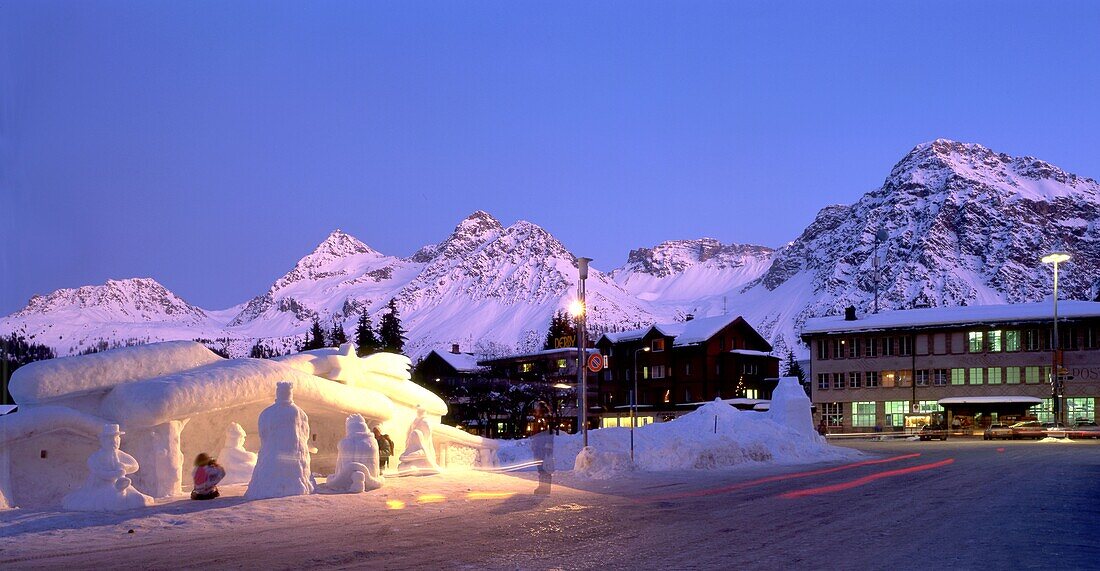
(207, 475)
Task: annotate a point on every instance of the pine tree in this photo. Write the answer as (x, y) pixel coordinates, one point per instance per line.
(337, 337)
(315, 339)
(794, 369)
(15, 351)
(390, 331)
(365, 338)
(561, 325)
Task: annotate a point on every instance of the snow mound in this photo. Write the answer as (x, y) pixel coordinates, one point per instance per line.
(1051, 439)
(715, 436)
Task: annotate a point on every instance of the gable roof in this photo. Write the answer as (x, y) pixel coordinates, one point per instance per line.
(460, 362)
(693, 332)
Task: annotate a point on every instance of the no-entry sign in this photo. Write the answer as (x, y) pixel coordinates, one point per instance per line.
(595, 362)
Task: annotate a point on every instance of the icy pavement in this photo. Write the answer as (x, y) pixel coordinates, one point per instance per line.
(903, 505)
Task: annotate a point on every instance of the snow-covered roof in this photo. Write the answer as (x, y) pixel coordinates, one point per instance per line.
(691, 332)
(953, 316)
(51, 379)
(750, 352)
(566, 350)
(990, 400)
(461, 362)
(232, 383)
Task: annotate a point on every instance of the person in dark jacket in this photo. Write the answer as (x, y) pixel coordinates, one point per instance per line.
(207, 475)
(385, 448)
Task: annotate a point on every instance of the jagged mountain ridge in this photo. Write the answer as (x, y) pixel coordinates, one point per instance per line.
(965, 225)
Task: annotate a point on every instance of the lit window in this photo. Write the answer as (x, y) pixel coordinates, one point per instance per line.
(888, 378)
(657, 345)
(561, 363)
(905, 378)
(1044, 412)
(668, 395)
(993, 375)
(977, 340)
(958, 376)
(527, 367)
(895, 412)
(1031, 375)
(929, 406)
(863, 414)
(834, 413)
(995, 341)
(1080, 410)
(1012, 375)
(976, 375)
(1012, 340)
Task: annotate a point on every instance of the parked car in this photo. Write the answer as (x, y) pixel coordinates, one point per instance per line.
(1055, 430)
(1085, 430)
(1028, 429)
(929, 432)
(996, 431)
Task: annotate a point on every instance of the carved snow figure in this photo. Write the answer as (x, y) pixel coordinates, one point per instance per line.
(282, 467)
(356, 460)
(107, 487)
(791, 407)
(238, 462)
(419, 455)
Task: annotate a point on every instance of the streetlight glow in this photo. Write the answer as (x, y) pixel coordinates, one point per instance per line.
(1057, 388)
(1056, 258)
(576, 308)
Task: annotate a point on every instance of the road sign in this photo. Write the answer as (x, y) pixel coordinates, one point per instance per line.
(595, 362)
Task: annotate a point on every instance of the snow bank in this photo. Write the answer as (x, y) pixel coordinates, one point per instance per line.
(232, 383)
(790, 407)
(715, 436)
(68, 376)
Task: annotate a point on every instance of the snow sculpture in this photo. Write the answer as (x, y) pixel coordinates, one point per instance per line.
(282, 466)
(790, 407)
(107, 487)
(237, 461)
(419, 455)
(356, 460)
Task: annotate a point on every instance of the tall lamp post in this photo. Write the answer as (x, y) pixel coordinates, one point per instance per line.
(580, 311)
(1056, 257)
(634, 401)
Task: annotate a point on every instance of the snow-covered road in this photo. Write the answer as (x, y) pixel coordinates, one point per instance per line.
(910, 505)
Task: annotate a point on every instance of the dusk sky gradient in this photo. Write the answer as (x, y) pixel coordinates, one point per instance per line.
(210, 145)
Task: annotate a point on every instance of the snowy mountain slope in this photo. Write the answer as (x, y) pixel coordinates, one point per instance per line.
(965, 225)
(687, 270)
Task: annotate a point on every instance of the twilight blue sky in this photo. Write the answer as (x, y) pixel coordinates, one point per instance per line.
(210, 146)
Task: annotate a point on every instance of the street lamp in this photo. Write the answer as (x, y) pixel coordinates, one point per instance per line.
(634, 401)
(1056, 257)
(579, 310)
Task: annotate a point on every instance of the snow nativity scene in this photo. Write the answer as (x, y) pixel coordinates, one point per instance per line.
(277, 423)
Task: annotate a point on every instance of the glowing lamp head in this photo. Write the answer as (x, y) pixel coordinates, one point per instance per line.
(645, 349)
(1055, 258)
(576, 308)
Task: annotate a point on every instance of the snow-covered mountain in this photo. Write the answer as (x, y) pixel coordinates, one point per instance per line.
(682, 271)
(964, 225)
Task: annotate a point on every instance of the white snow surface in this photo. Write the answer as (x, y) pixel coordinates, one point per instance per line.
(232, 382)
(715, 436)
(965, 315)
(43, 381)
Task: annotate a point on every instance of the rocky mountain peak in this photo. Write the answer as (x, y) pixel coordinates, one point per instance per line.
(132, 299)
(675, 256)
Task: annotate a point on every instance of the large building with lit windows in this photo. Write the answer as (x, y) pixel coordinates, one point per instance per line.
(965, 366)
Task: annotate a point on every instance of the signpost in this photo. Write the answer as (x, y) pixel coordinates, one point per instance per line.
(595, 362)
